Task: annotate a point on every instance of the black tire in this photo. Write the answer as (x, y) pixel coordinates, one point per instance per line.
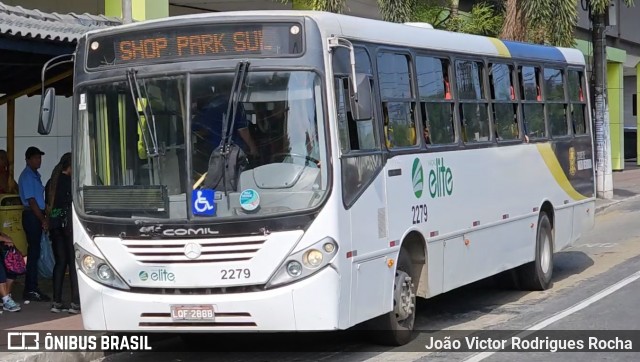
(389, 329)
(537, 274)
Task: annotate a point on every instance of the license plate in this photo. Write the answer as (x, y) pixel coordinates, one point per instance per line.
(192, 313)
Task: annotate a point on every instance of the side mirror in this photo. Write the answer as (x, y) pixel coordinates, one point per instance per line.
(361, 105)
(47, 111)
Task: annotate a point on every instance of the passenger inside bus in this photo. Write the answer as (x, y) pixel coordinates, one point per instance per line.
(206, 127)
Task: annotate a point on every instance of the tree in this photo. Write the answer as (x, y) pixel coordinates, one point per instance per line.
(397, 11)
(483, 19)
(541, 21)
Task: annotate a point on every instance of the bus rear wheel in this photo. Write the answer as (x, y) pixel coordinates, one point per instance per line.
(537, 274)
(396, 327)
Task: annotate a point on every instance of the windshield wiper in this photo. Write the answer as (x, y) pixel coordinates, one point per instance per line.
(242, 69)
(136, 94)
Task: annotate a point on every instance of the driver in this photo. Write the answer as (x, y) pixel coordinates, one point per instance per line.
(269, 128)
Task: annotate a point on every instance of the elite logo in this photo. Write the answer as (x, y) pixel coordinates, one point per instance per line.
(417, 177)
(440, 179)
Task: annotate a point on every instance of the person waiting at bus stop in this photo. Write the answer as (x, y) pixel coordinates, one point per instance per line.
(58, 212)
(6, 279)
(7, 184)
(34, 221)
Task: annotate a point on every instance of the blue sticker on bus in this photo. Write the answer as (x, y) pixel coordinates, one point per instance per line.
(249, 199)
(203, 203)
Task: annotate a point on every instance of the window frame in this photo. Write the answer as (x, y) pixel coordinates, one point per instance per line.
(422, 103)
(413, 101)
(515, 83)
(523, 102)
(585, 93)
(349, 152)
(564, 101)
(485, 100)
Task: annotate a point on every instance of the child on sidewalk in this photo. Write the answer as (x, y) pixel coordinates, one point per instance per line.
(6, 280)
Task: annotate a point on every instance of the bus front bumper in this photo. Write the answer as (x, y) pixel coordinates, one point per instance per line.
(308, 305)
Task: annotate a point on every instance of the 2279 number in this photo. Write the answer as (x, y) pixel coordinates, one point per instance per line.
(420, 214)
(235, 274)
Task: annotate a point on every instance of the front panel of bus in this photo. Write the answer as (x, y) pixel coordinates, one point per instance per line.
(179, 223)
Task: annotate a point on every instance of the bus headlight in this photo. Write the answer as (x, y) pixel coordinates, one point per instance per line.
(312, 258)
(305, 262)
(98, 269)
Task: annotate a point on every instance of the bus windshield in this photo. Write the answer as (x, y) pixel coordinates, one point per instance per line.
(150, 147)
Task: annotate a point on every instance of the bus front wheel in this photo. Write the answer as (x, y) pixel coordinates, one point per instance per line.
(396, 327)
(537, 274)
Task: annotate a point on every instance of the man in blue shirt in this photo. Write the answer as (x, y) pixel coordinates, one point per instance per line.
(207, 124)
(33, 220)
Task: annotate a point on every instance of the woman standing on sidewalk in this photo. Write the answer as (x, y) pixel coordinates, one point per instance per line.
(58, 211)
(6, 280)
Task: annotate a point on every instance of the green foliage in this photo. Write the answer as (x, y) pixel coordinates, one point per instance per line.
(398, 11)
(484, 18)
(334, 6)
(600, 6)
(549, 21)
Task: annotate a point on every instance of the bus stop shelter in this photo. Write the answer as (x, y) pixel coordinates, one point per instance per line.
(30, 38)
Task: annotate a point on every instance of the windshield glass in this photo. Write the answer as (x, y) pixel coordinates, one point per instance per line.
(131, 143)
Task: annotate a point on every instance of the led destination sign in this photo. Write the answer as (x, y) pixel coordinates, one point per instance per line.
(191, 42)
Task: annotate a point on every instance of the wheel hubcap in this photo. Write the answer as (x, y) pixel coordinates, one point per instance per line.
(545, 260)
(404, 298)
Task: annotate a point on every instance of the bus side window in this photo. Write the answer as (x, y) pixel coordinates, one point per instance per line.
(474, 116)
(504, 104)
(435, 98)
(556, 102)
(532, 105)
(398, 102)
(354, 135)
(577, 102)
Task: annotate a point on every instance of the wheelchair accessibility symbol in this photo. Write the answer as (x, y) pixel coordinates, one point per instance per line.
(202, 202)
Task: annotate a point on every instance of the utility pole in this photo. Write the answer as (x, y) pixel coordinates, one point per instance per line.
(604, 176)
(127, 12)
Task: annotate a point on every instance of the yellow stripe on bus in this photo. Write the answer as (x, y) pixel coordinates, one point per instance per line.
(500, 47)
(558, 173)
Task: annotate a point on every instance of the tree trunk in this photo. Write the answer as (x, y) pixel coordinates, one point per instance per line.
(455, 8)
(604, 177)
(515, 25)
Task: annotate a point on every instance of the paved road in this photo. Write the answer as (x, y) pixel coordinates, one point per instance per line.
(605, 256)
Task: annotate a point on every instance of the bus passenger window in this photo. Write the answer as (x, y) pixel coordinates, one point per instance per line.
(556, 102)
(577, 102)
(398, 102)
(435, 100)
(504, 103)
(532, 106)
(473, 104)
(354, 135)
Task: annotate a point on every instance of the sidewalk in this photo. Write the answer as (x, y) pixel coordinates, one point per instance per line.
(36, 316)
(626, 185)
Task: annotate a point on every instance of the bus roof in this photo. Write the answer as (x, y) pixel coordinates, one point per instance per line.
(390, 33)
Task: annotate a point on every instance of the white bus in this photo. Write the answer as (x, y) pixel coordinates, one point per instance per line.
(306, 171)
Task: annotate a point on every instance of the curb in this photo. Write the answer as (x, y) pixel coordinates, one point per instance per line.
(601, 208)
